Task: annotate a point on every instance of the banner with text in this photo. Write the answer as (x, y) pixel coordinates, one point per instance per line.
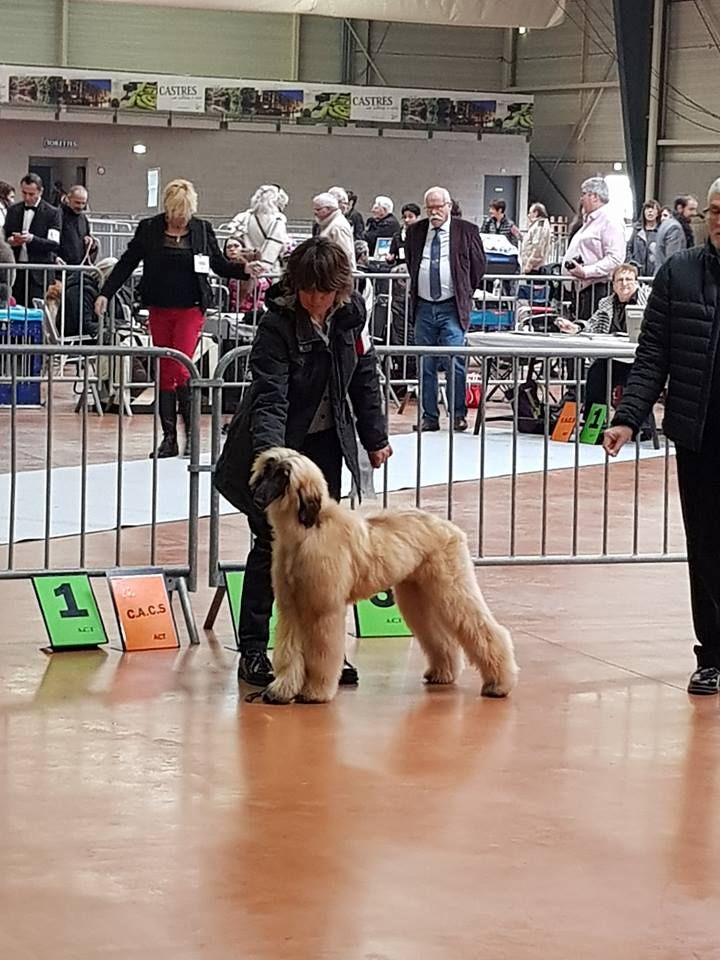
(273, 101)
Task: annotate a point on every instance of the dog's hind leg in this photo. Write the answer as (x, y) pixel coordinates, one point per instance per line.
(417, 605)
(288, 662)
(324, 651)
(487, 644)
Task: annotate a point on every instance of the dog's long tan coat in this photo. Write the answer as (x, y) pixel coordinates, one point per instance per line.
(326, 557)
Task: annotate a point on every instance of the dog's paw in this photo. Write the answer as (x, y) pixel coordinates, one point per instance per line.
(272, 696)
(494, 690)
(435, 677)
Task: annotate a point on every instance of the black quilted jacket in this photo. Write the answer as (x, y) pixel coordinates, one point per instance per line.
(678, 346)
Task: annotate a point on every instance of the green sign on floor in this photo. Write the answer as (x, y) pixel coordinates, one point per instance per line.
(380, 617)
(234, 585)
(70, 611)
(595, 423)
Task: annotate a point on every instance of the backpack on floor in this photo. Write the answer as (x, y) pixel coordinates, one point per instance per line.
(530, 408)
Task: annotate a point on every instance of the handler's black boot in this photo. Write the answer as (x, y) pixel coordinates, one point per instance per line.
(168, 422)
(255, 668)
(183, 405)
(349, 676)
(705, 681)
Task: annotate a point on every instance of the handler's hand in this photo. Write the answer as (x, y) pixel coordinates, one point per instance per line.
(101, 306)
(378, 457)
(615, 438)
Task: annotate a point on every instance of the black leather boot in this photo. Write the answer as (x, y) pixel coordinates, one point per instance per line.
(168, 422)
(183, 405)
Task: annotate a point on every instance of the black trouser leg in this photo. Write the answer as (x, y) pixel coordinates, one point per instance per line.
(257, 595)
(699, 485)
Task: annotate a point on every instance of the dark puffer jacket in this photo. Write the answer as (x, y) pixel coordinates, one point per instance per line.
(679, 341)
(291, 366)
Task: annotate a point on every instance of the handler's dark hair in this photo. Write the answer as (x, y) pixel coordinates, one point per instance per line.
(321, 265)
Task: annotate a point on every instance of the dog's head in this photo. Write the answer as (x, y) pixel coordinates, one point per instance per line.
(286, 479)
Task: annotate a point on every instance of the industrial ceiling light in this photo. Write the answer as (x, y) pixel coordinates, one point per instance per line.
(139, 149)
(522, 31)
(617, 165)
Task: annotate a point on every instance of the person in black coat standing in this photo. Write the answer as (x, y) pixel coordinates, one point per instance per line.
(382, 222)
(32, 228)
(679, 346)
(178, 250)
(315, 380)
(76, 241)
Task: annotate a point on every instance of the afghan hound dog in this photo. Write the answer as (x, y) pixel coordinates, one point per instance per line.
(326, 557)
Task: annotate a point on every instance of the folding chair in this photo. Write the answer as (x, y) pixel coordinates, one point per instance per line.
(52, 336)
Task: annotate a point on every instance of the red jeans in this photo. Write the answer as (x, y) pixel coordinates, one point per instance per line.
(180, 329)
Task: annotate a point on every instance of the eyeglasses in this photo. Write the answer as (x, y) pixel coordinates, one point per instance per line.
(713, 212)
(437, 208)
(625, 280)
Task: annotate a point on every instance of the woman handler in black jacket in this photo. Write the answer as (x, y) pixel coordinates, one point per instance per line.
(178, 252)
(310, 357)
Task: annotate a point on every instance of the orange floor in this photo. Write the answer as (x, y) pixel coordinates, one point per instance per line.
(148, 812)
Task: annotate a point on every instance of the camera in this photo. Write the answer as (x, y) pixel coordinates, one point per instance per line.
(577, 262)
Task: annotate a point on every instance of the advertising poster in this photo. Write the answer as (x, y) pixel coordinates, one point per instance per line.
(135, 95)
(430, 112)
(329, 107)
(87, 93)
(253, 102)
(35, 90)
(516, 117)
(182, 96)
(474, 114)
(375, 107)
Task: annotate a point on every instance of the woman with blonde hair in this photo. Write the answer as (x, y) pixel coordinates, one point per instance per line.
(178, 251)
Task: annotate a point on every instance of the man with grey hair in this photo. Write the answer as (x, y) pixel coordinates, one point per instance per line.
(381, 222)
(446, 263)
(679, 349)
(597, 247)
(333, 224)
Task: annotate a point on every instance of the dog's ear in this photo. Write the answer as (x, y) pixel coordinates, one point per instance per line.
(308, 509)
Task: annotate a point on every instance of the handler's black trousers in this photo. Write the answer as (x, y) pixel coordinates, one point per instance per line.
(257, 596)
(699, 484)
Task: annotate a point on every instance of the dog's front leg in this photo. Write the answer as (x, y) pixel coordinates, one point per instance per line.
(288, 663)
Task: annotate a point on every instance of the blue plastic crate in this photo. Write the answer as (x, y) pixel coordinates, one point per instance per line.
(19, 326)
(491, 319)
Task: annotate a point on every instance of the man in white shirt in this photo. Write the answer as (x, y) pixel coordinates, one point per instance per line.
(446, 263)
(32, 228)
(333, 224)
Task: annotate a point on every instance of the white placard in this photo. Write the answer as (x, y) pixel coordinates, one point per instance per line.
(153, 187)
(376, 106)
(182, 95)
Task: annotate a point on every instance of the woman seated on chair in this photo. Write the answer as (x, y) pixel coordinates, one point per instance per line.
(71, 302)
(609, 318)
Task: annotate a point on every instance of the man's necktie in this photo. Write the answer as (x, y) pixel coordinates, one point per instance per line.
(435, 248)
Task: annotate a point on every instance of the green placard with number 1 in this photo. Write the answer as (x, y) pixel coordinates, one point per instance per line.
(70, 611)
(595, 423)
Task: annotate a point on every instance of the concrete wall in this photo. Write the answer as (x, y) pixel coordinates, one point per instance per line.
(227, 165)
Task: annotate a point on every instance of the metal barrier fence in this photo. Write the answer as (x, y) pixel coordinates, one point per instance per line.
(78, 511)
(521, 499)
(559, 502)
